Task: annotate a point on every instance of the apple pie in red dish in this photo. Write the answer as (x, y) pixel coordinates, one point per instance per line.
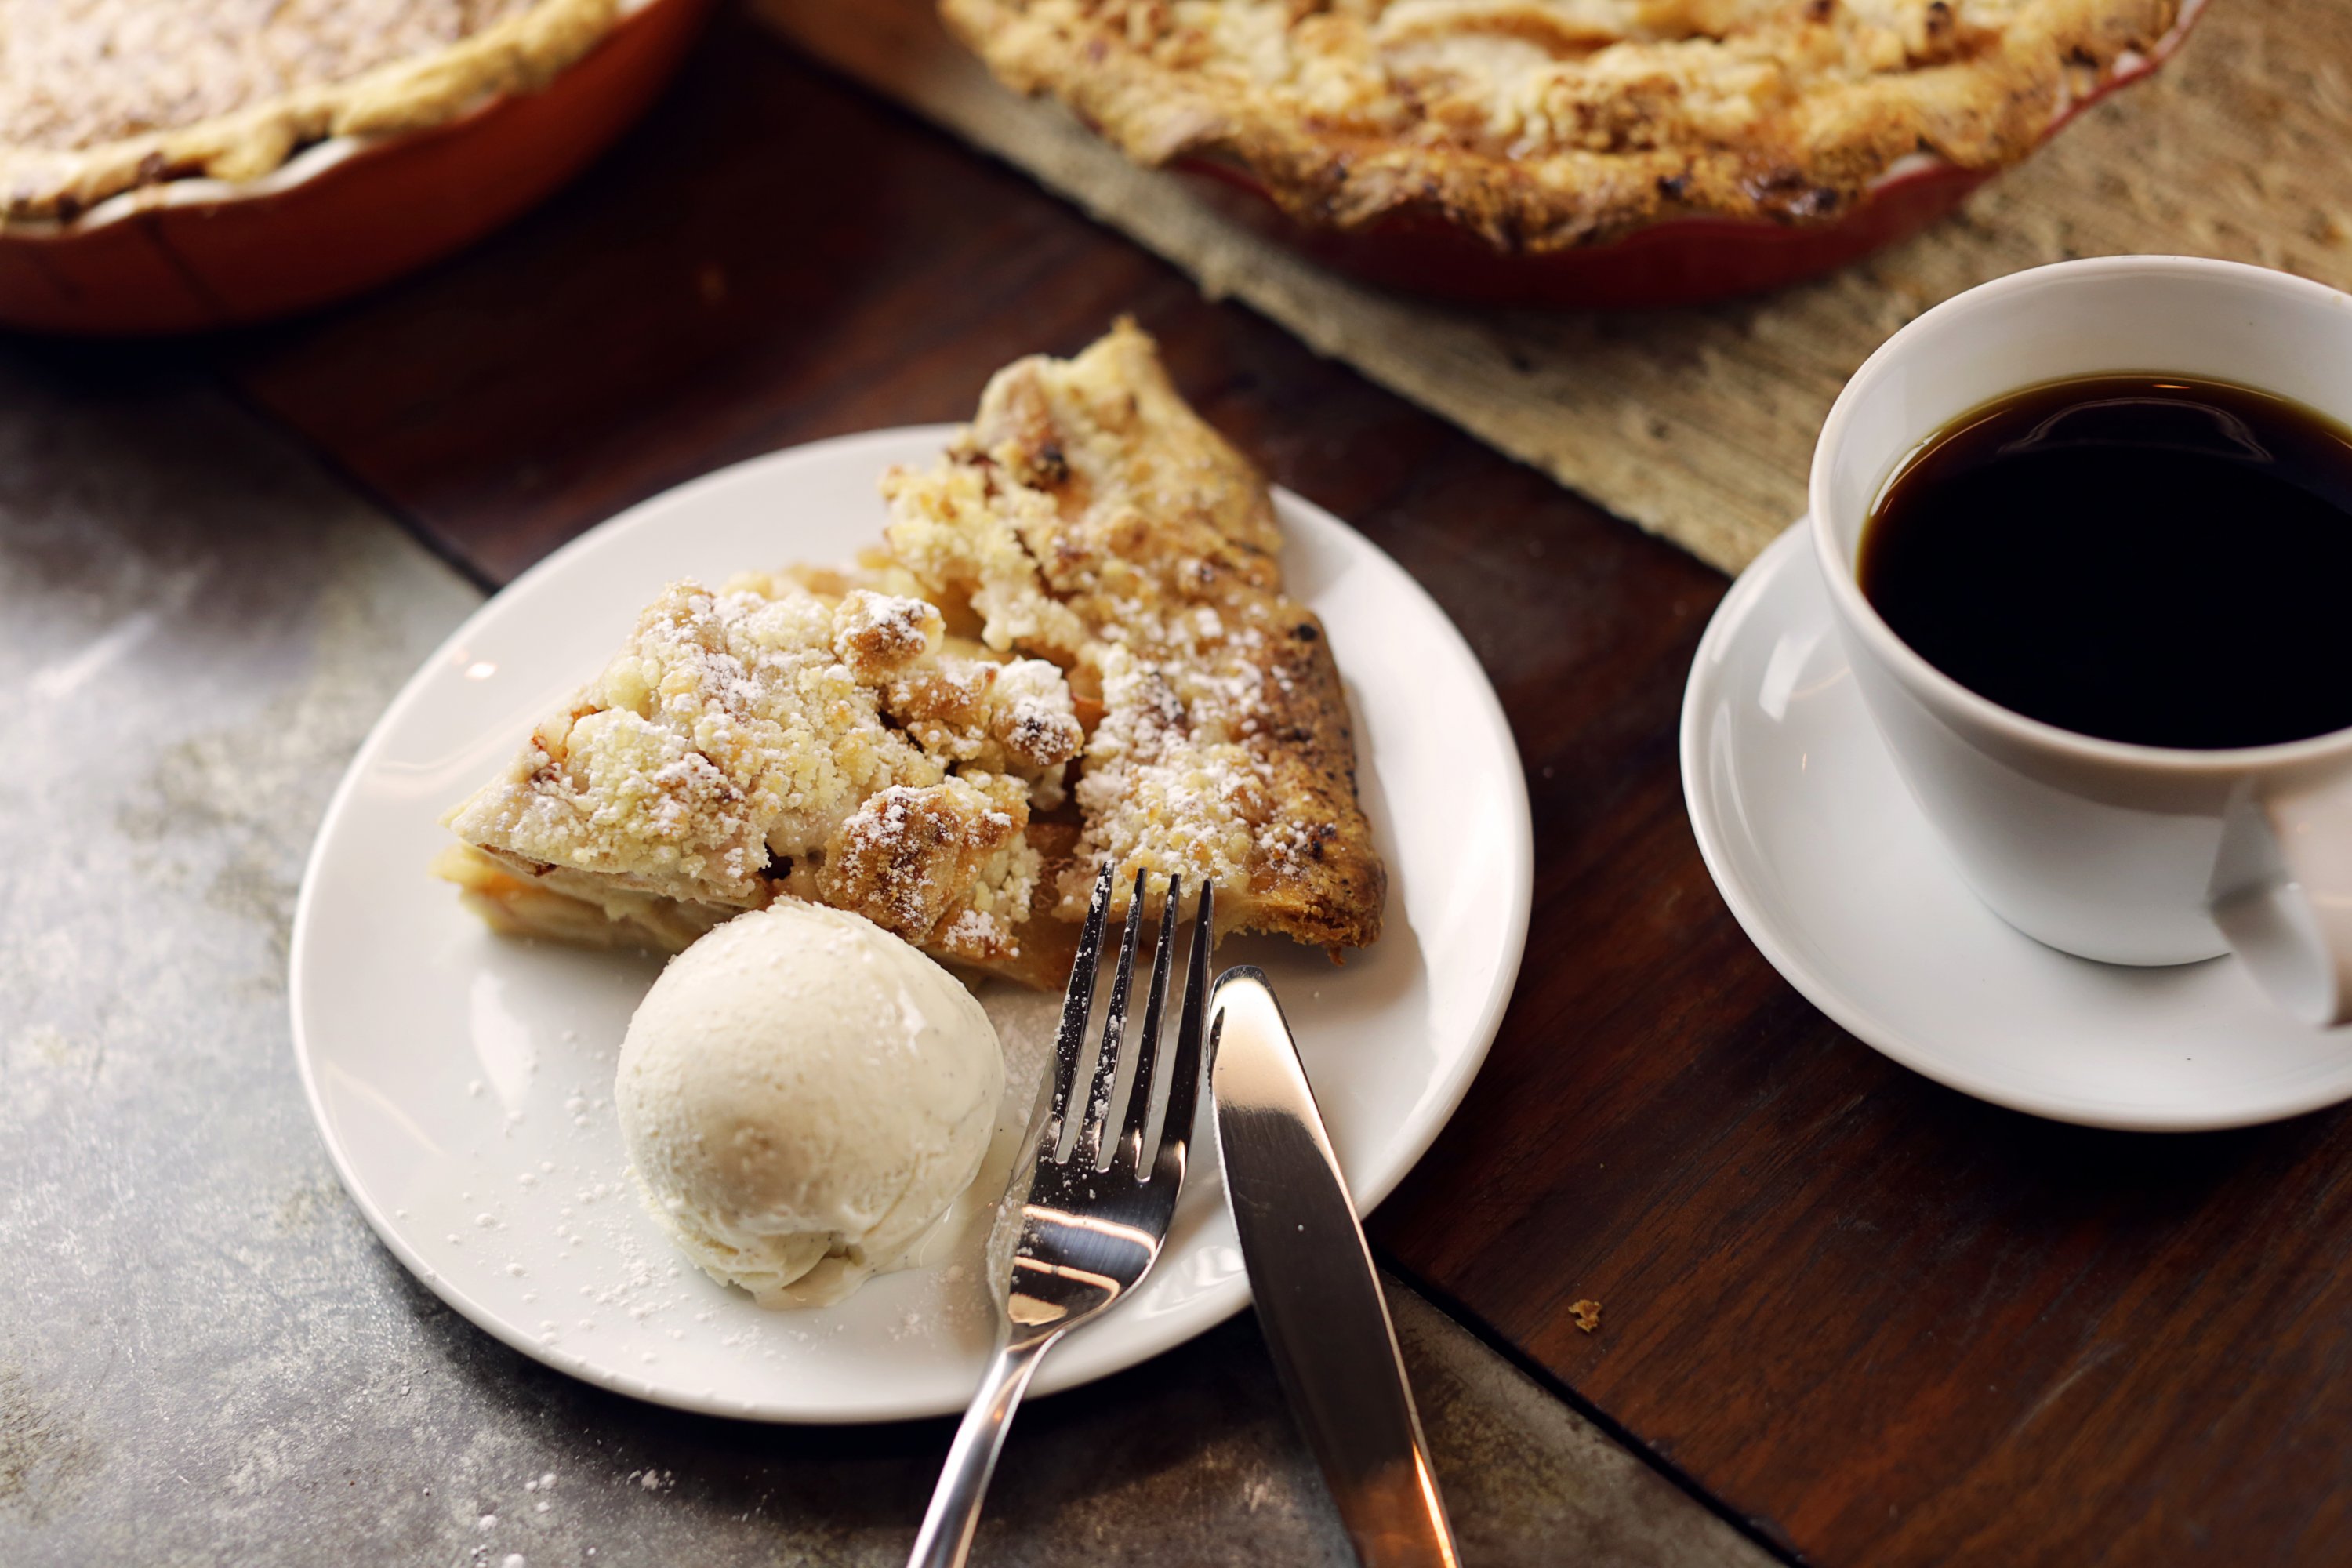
(1577, 152)
(1072, 650)
(168, 165)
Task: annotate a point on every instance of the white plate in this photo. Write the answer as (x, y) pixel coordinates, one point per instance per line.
(1833, 873)
(463, 1082)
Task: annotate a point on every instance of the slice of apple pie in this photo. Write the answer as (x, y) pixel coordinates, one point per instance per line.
(894, 741)
(773, 738)
(1091, 516)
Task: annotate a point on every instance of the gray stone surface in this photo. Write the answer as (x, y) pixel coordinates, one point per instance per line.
(205, 1356)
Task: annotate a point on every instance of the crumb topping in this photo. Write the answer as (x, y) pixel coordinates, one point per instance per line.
(98, 97)
(946, 867)
(882, 634)
(1090, 514)
(964, 526)
(738, 739)
(74, 73)
(1545, 123)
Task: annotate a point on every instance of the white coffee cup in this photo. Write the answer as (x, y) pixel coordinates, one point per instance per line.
(2127, 854)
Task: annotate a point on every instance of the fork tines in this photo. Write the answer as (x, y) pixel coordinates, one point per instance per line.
(1174, 1106)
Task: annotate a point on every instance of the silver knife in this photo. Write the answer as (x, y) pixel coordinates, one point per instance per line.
(1311, 1275)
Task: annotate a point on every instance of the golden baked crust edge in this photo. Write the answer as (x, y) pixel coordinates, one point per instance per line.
(519, 54)
(1982, 113)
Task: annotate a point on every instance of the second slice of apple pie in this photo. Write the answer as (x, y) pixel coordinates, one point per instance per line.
(1089, 516)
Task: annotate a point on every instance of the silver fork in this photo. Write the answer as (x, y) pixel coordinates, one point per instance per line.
(1078, 1230)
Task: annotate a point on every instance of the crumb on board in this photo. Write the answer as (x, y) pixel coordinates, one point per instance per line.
(1587, 1314)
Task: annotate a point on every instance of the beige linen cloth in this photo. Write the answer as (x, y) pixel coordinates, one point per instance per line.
(1697, 424)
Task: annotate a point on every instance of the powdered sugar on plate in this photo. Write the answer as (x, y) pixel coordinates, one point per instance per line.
(547, 1219)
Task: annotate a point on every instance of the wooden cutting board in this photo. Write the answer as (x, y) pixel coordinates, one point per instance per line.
(1697, 424)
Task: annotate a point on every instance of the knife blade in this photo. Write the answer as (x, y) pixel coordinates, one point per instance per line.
(1318, 1298)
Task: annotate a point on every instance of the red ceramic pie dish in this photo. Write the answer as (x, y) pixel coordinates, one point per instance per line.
(341, 217)
(1678, 261)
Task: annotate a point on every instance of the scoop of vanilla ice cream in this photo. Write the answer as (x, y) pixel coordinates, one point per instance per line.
(803, 1094)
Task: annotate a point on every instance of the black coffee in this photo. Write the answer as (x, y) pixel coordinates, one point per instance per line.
(2140, 558)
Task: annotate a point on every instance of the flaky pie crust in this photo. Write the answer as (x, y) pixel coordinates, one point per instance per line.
(520, 52)
(1089, 515)
(1542, 125)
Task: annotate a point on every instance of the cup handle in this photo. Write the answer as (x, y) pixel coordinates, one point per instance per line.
(2282, 892)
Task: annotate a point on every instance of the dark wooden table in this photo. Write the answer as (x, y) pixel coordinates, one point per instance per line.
(1882, 1323)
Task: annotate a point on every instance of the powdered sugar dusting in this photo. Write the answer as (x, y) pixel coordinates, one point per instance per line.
(737, 743)
(573, 1260)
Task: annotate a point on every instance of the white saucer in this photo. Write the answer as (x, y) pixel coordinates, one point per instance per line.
(1830, 869)
(463, 1082)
